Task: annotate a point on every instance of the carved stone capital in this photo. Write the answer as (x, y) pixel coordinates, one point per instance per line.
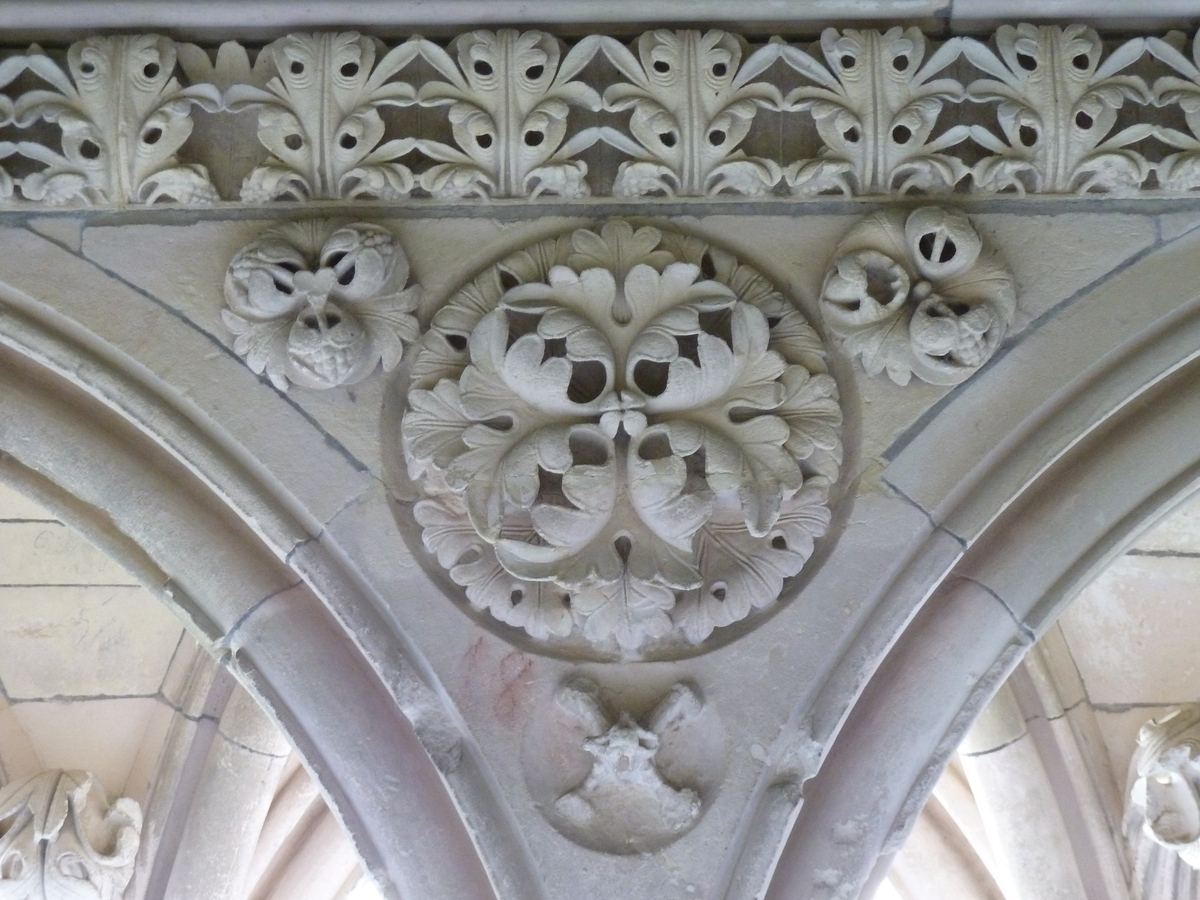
(1166, 793)
(60, 837)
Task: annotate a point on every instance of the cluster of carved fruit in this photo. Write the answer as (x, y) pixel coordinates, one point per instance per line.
(1035, 109)
(625, 439)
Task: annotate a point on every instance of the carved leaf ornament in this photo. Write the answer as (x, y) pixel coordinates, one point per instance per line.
(61, 840)
(626, 439)
(918, 295)
(320, 304)
(1034, 109)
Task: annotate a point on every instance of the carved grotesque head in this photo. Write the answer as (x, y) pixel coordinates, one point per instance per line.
(1168, 782)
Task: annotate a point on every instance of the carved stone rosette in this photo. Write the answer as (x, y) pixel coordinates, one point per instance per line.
(625, 438)
(60, 838)
(918, 294)
(320, 304)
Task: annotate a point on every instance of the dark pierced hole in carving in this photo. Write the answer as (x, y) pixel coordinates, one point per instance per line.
(779, 542)
(348, 141)
(313, 321)
(482, 67)
(716, 137)
(152, 136)
(901, 134)
(533, 73)
(1083, 120)
(586, 449)
(718, 593)
(516, 596)
(848, 61)
(689, 347)
(334, 258)
(350, 69)
(708, 268)
(554, 348)
(550, 490)
(293, 141)
(499, 423)
(928, 244)
(1028, 135)
(521, 324)
(89, 150)
(508, 280)
(655, 446)
(297, 67)
(483, 140)
(346, 277)
(534, 138)
(291, 266)
(588, 379)
(623, 546)
(948, 308)
(719, 69)
(151, 70)
(668, 138)
(740, 414)
(851, 135)
(457, 341)
(88, 68)
(1081, 62)
(900, 63)
(694, 481)
(719, 324)
(772, 321)
(651, 376)
(282, 287)
(662, 67)
(1026, 62)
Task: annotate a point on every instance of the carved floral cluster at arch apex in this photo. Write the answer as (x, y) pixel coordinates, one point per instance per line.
(1037, 109)
(626, 438)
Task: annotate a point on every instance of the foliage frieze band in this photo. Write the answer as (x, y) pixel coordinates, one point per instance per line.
(138, 119)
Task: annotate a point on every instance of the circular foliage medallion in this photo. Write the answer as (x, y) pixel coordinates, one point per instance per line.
(625, 439)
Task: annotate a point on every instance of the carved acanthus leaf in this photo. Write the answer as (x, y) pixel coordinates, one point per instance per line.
(693, 102)
(589, 405)
(123, 116)
(876, 107)
(509, 96)
(319, 118)
(1057, 106)
(320, 304)
(60, 838)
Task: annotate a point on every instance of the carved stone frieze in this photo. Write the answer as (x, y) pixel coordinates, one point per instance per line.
(618, 782)
(918, 294)
(320, 304)
(1166, 794)
(59, 838)
(625, 438)
(342, 115)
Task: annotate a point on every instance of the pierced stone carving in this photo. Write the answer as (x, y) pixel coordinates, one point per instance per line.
(319, 117)
(123, 116)
(60, 838)
(876, 106)
(320, 304)
(693, 102)
(1057, 106)
(918, 295)
(1179, 171)
(626, 439)
(1165, 795)
(509, 97)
